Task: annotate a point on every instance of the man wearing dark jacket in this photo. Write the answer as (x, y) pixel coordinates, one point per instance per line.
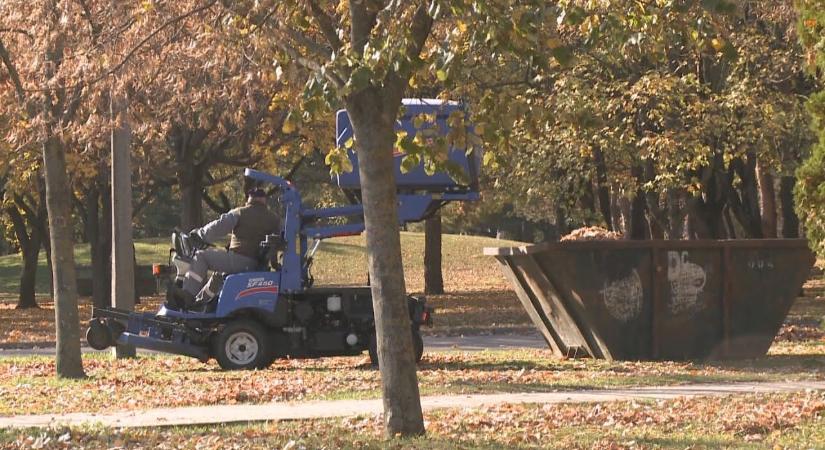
(248, 225)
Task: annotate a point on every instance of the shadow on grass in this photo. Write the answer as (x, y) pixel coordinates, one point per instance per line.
(779, 363)
(340, 248)
(690, 442)
(590, 384)
(773, 364)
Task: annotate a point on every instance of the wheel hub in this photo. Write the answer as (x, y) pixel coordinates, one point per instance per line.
(241, 348)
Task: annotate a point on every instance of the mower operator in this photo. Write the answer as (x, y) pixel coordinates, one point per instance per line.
(248, 225)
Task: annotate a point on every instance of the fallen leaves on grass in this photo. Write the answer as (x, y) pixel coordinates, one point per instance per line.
(35, 326)
(28, 385)
(31, 326)
(798, 333)
(467, 312)
(476, 312)
(772, 420)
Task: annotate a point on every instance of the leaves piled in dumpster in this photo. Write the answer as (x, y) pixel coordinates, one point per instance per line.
(591, 234)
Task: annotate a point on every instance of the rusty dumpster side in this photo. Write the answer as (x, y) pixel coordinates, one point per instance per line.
(652, 300)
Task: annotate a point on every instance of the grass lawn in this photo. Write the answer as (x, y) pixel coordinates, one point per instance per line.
(747, 422)
(478, 299)
(338, 261)
(28, 385)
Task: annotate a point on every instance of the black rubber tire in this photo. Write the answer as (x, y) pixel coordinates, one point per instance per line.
(417, 341)
(373, 350)
(418, 345)
(98, 336)
(239, 335)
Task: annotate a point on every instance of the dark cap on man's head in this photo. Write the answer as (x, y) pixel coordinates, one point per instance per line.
(256, 192)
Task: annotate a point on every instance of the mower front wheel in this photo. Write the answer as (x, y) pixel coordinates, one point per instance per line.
(242, 345)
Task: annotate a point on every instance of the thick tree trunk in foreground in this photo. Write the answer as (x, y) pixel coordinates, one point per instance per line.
(123, 254)
(58, 202)
(373, 117)
(433, 279)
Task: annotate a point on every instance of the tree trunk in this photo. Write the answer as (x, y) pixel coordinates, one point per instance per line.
(373, 114)
(587, 202)
(433, 279)
(602, 190)
(638, 221)
(190, 177)
(790, 221)
(676, 214)
(67, 324)
(97, 248)
(123, 255)
(655, 230)
(616, 213)
(30, 251)
(28, 276)
(767, 200)
(561, 221)
(743, 200)
(43, 227)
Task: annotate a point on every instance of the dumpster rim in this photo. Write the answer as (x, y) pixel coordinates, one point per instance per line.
(647, 244)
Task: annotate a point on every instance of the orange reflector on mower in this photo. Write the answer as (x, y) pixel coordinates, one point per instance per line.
(425, 318)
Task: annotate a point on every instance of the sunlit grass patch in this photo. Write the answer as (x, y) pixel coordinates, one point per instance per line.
(28, 385)
(748, 422)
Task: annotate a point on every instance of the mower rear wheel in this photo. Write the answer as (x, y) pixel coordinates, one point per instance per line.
(98, 335)
(242, 345)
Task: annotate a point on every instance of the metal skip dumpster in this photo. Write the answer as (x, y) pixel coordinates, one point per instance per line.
(652, 300)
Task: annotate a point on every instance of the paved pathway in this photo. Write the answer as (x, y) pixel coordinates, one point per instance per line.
(431, 343)
(341, 408)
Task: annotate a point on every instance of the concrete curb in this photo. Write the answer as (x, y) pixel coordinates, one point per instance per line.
(222, 414)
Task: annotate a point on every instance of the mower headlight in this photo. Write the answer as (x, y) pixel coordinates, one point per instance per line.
(334, 303)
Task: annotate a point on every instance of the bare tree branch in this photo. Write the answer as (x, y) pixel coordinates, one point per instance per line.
(146, 198)
(87, 14)
(13, 74)
(420, 28)
(326, 24)
(220, 206)
(18, 31)
(362, 21)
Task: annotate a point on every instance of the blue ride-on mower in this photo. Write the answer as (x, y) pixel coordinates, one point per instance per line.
(276, 311)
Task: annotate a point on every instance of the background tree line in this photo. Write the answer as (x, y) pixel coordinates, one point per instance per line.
(665, 129)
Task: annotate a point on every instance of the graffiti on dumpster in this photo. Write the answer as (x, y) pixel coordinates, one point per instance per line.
(760, 264)
(687, 280)
(623, 297)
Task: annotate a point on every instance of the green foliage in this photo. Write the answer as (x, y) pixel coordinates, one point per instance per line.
(810, 197)
(810, 187)
(662, 99)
